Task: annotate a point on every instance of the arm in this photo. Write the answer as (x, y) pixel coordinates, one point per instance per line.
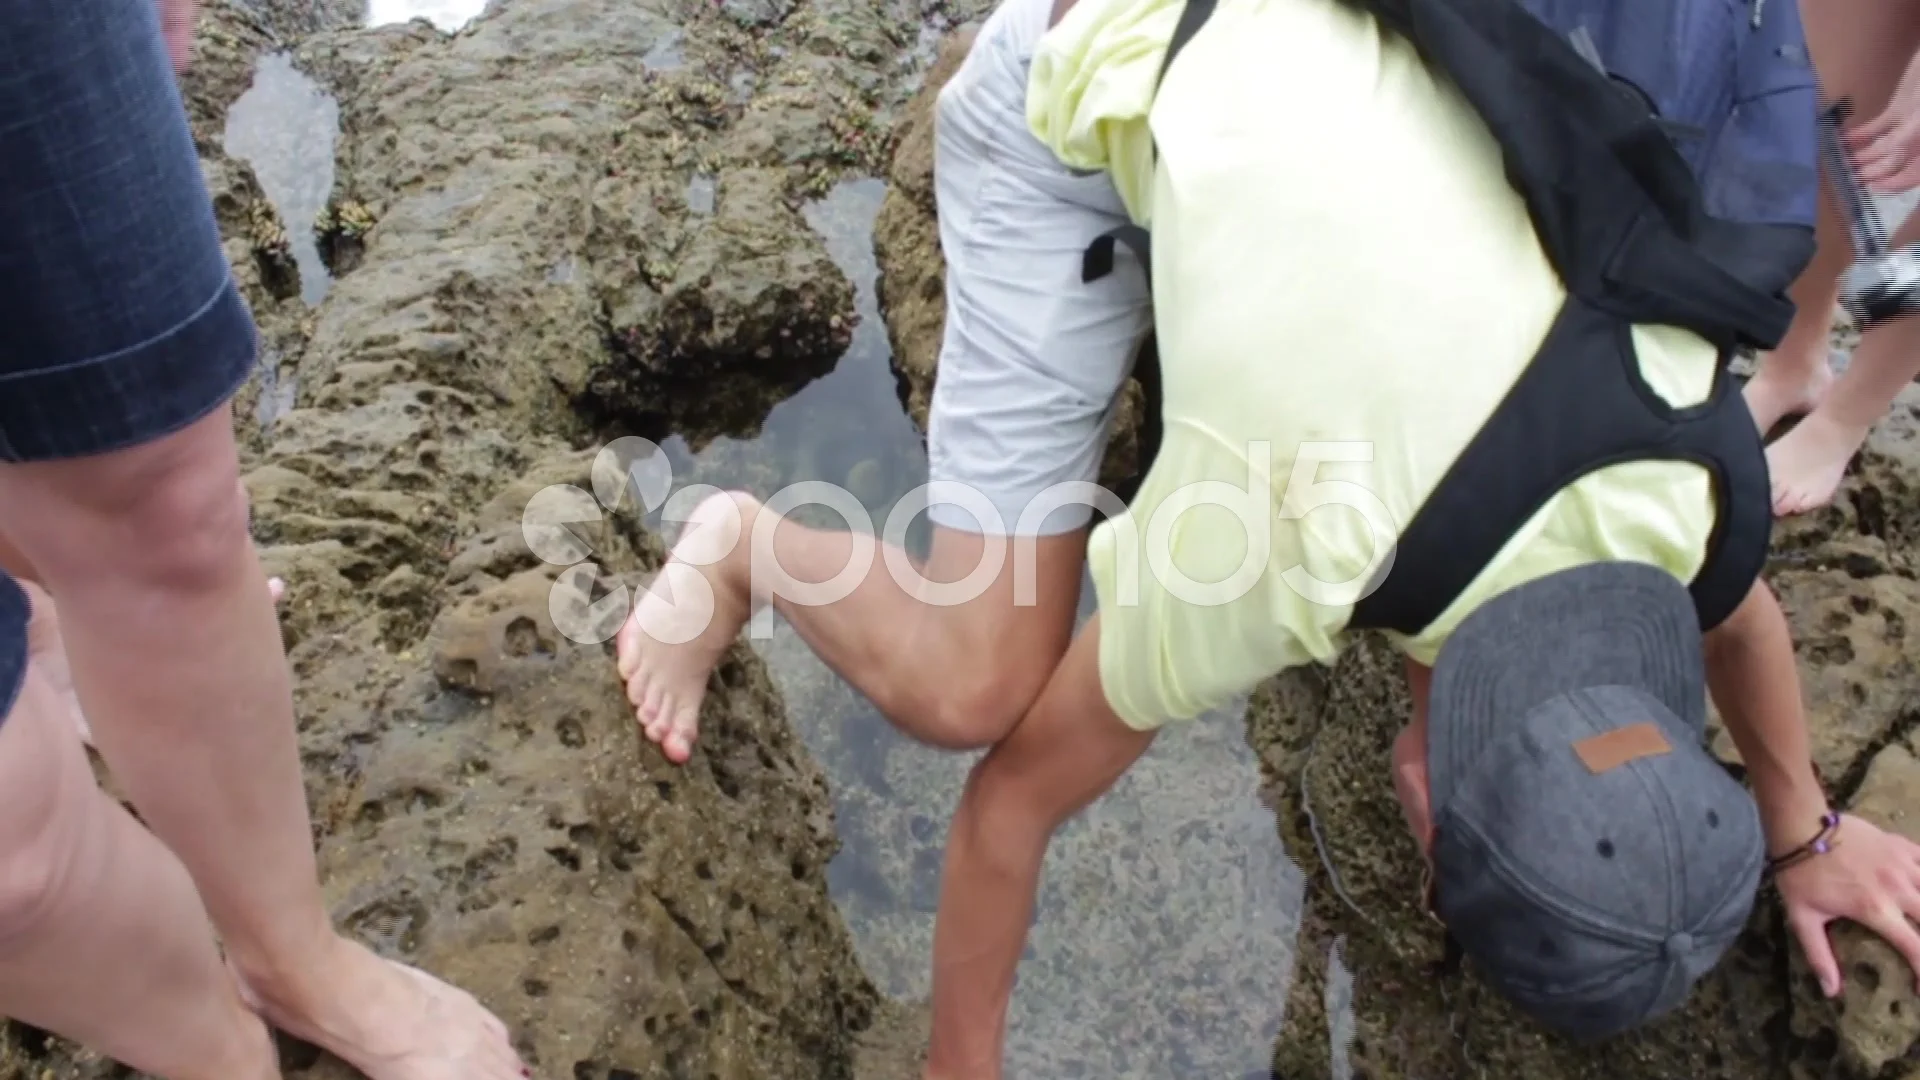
(1871, 877)
(1755, 682)
(1067, 751)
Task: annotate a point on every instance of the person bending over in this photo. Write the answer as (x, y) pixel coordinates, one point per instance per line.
(1350, 342)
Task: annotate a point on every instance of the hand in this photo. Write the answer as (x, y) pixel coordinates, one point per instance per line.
(1871, 877)
(176, 24)
(1887, 147)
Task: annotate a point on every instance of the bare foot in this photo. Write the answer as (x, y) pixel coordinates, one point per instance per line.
(686, 620)
(1808, 461)
(390, 1021)
(1778, 391)
(48, 653)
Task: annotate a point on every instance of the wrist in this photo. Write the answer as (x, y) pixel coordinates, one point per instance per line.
(1791, 803)
(1819, 844)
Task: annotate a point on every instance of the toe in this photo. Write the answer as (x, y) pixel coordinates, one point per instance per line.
(680, 738)
(660, 716)
(626, 647)
(501, 1060)
(677, 748)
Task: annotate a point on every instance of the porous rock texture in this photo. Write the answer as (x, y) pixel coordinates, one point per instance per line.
(524, 264)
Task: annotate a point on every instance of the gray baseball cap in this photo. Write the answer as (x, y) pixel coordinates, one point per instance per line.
(1591, 858)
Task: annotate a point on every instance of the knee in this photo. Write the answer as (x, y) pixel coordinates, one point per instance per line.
(179, 523)
(976, 714)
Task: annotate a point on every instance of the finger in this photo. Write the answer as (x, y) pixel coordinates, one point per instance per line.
(1880, 156)
(1892, 152)
(1882, 174)
(176, 24)
(1892, 925)
(1875, 126)
(1859, 139)
(1908, 891)
(1900, 182)
(1811, 930)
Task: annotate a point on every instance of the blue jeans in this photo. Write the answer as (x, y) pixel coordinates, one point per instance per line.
(120, 321)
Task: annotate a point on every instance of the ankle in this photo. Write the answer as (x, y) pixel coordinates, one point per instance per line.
(250, 1055)
(1794, 364)
(1839, 415)
(277, 977)
(736, 570)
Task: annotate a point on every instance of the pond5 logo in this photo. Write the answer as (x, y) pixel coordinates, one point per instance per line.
(559, 519)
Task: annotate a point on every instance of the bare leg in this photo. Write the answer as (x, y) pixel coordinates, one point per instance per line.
(1030, 360)
(1861, 48)
(1793, 378)
(992, 655)
(1808, 462)
(102, 937)
(1066, 752)
(49, 654)
(177, 657)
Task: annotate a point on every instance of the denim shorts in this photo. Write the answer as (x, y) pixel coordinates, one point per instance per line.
(120, 321)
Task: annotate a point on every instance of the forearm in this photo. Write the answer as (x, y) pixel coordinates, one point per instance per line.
(1756, 686)
(986, 904)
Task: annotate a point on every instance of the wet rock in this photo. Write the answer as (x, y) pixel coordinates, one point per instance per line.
(562, 871)
(913, 272)
(507, 283)
(479, 167)
(1857, 666)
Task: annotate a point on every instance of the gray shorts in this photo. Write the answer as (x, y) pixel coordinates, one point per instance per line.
(119, 318)
(1033, 357)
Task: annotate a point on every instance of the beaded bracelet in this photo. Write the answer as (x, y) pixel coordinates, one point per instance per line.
(1819, 845)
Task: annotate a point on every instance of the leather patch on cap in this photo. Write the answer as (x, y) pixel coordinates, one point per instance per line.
(1605, 753)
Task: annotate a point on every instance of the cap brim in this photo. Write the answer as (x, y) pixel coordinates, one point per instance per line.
(1603, 624)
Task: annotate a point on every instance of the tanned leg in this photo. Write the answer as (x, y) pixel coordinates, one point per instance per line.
(177, 659)
(103, 939)
(992, 654)
(1860, 48)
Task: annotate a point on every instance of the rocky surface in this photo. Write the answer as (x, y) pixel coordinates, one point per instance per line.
(573, 218)
(1364, 994)
(582, 218)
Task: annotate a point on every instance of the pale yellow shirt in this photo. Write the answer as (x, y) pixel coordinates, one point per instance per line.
(1338, 259)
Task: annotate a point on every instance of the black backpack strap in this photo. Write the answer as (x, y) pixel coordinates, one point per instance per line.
(1743, 530)
(1592, 164)
(1192, 17)
(1672, 283)
(1581, 405)
(1094, 265)
(1097, 262)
